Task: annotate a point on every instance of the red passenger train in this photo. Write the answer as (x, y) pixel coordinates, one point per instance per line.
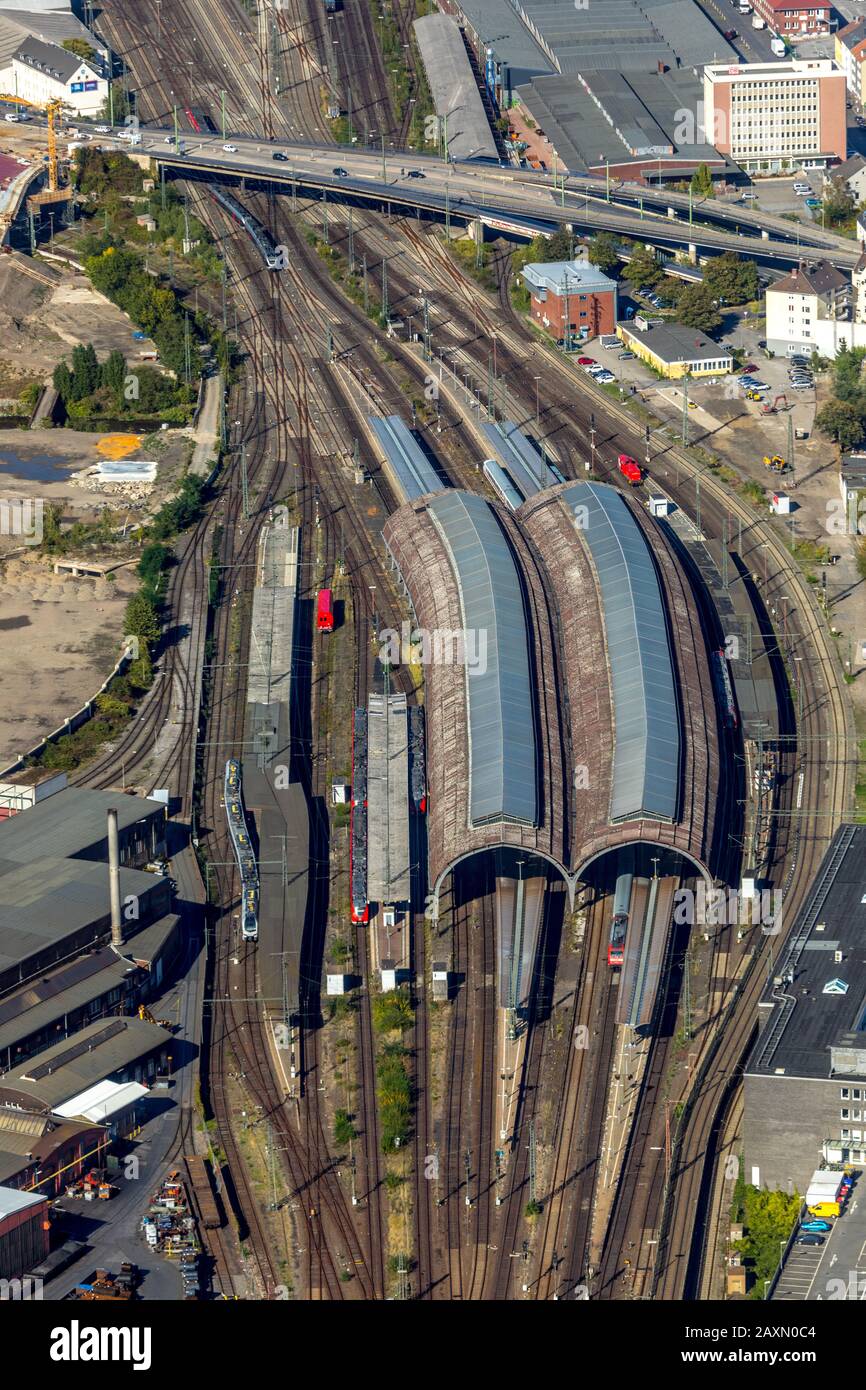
(325, 612)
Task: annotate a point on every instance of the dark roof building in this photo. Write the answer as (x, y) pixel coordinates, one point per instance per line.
(813, 277)
(810, 1057)
(117, 1049)
(72, 824)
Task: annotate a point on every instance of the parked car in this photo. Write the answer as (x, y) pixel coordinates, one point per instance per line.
(604, 376)
(816, 1227)
(748, 197)
(802, 385)
(813, 202)
(750, 367)
(586, 362)
(759, 386)
(625, 356)
(730, 34)
(810, 1239)
(803, 190)
(102, 129)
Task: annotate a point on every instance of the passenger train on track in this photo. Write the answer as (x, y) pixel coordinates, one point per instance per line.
(261, 239)
(240, 836)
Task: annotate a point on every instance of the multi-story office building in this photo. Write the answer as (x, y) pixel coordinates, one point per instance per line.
(774, 116)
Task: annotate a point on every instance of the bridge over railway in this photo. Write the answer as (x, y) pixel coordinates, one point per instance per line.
(490, 196)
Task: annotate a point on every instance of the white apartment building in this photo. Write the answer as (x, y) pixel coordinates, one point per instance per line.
(42, 72)
(817, 309)
(770, 117)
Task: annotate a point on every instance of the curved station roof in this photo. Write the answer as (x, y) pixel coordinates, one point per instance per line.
(570, 705)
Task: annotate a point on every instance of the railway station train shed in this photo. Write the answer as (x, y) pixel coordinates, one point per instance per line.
(455, 93)
(582, 718)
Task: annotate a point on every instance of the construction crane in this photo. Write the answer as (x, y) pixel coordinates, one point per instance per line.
(53, 193)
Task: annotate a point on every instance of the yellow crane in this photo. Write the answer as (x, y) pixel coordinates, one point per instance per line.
(53, 193)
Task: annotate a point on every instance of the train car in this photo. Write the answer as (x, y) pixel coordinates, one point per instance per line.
(619, 924)
(559, 476)
(725, 689)
(417, 774)
(358, 820)
(325, 611)
(242, 846)
(202, 1188)
(261, 239)
(199, 120)
(502, 484)
(330, 6)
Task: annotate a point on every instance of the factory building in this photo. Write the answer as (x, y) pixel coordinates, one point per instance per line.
(810, 1058)
(24, 1232)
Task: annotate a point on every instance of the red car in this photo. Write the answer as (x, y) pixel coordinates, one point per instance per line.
(730, 34)
(586, 362)
(750, 367)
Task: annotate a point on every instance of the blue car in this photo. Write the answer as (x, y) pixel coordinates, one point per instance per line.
(817, 1226)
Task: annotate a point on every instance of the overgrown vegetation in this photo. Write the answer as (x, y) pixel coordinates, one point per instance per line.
(394, 1093)
(392, 1011)
(91, 390)
(767, 1218)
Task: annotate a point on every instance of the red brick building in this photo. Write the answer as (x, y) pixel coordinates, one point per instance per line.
(572, 293)
(795, 19)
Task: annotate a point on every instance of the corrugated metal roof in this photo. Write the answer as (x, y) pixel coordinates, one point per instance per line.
(519, 457)
(412, 472)
(70, 822)
(100, 1102)
(454, 88)
(500, 702)
(62, 1072)
(12, 1201)
(647, 736)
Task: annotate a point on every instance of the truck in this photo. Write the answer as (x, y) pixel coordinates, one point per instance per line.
(777, 45)
(630, 469)
(758, 23)
(823, 1195)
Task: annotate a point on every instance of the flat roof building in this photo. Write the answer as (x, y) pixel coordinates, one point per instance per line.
(72, 823)
(810, 1058)
(774, 116)
(571, 298)
(675, 350)
(641, 126)
(24, 1232)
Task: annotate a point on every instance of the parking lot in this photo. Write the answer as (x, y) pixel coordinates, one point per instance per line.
(835, 1270)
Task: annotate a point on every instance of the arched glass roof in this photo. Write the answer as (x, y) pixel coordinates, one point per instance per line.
(499, 689)
(647, 737)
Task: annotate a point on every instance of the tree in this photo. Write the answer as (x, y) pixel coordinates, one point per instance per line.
(142, 619)
(81, 48)
(602, 253)
(110, 707)
(62, 381)
(839, 203)
(732, 279)
(113, 374)
(154, 559)
(696, 309)
(842, 421)
(644, 271)
(702, 182)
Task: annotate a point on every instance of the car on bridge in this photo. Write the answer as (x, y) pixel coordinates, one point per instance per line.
(416, 174)
(230, 149)
(340, 172)
(278, 154)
